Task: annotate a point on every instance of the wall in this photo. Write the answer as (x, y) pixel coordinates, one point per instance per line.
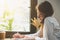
(56, 7)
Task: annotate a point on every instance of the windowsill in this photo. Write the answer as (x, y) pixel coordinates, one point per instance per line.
(10, 33)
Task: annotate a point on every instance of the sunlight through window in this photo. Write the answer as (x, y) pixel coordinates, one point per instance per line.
(15, 15)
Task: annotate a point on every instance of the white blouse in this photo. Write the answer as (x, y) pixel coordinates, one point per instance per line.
(51, 30)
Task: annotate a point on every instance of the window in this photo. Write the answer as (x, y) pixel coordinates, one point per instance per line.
(15, 15)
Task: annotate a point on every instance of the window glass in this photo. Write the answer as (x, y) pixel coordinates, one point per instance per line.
(15, 15)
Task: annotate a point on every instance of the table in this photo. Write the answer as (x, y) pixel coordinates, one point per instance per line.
(18, 39)
(25, 39)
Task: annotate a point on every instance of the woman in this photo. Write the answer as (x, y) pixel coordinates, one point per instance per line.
(48, 26)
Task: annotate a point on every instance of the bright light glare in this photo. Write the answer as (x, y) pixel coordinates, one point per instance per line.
(18, 9)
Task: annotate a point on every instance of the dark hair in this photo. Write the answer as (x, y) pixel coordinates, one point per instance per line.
(46, 8)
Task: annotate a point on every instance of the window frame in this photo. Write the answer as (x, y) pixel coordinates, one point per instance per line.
(33, 14)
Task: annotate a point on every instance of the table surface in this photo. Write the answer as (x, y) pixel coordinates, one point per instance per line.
(24, 39)
(17, 39)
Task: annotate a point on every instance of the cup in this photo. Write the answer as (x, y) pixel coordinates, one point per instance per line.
(2, 35)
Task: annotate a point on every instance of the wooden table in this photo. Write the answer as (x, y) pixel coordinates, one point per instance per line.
(19, 39)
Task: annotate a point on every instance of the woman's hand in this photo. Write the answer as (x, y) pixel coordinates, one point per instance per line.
(35, 22)
(17, 35)
(29, 37)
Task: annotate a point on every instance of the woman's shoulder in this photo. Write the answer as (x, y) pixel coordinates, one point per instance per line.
(52, 20)
(49, 18)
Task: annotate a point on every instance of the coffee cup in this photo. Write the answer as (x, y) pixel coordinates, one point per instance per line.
(2, 35)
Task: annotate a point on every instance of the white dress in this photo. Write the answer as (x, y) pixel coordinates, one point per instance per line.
(51, 30)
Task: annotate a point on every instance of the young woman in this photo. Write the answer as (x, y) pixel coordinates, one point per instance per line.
(48, 25)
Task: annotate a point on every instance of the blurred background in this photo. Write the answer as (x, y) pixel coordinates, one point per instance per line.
(15, 15)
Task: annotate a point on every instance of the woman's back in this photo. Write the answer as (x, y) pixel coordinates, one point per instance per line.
(50, 28)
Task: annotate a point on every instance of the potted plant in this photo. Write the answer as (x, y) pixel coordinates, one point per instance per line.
(8, 21)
